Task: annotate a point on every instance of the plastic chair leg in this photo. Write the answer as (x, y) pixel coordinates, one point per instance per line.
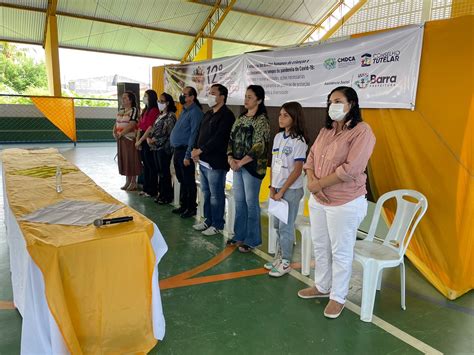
(200, 207)
(176, 191)
(369, 288)
(272, 235)
(402, 285)
(379, 280)
(306, 251)
(229, 223)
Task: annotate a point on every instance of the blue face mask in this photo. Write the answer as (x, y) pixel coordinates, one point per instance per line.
(182, 99)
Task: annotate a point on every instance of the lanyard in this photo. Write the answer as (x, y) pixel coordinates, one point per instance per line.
(280, 151)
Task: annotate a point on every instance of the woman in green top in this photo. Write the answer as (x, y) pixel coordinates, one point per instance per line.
(247, 155)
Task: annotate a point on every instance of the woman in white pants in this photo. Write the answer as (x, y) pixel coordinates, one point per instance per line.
(335, 169)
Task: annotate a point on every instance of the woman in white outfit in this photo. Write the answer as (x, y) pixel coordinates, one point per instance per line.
(336, 179)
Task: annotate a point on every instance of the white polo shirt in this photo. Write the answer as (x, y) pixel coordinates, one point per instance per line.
(285, 152)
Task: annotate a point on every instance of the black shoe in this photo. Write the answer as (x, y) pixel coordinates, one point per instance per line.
(188, 213)
(179, 210)
(164, 202)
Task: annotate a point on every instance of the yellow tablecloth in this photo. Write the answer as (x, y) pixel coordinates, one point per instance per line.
(97, 280)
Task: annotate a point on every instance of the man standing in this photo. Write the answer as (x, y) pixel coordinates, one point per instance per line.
(211, 152)
(183, 137)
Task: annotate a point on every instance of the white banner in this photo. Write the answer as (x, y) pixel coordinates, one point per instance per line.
(382, 68)
(202, 75)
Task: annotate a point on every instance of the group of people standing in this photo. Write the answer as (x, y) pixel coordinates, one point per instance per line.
(143, 144)
(217, 141)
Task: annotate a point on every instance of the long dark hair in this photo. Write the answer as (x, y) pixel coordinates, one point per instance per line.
(296, 113)
(152, 100)
(260, 93)
(132, 98)
(171, 107)
(354, 114)
(192, 91)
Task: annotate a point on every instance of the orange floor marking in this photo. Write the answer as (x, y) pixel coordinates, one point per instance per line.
(6, 305)
(185, 278)
(164, 285)
(176, 280)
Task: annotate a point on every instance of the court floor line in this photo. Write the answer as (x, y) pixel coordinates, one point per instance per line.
(7, 305)
(379, 322)
(211, 278)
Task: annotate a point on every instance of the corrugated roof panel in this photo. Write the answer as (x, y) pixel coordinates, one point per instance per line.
(259, 30)
(21, 25)
(224, 49)
(172, 14)
(73, 32)
(303, 11)
(313, 11)
(40, 4)
(79, 33)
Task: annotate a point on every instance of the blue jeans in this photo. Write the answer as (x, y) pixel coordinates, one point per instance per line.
(246, 189)
(212, 187)
(286, 232)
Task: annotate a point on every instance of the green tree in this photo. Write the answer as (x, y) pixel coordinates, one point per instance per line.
(19, 71)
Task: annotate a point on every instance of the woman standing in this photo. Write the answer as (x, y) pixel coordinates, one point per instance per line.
(335, 169)
(159, 142)
(247, 157)
(124, 132)
(145, 125)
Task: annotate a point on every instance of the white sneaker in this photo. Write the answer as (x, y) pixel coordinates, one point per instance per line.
(200, 226)
(282, 269)
(211, 231)
(273, 264)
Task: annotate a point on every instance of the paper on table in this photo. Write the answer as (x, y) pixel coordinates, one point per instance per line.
(71, 212)
(279, 209)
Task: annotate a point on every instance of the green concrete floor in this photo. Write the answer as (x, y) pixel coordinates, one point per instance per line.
(258, 314)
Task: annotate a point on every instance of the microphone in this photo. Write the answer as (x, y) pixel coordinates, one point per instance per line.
(107, 221)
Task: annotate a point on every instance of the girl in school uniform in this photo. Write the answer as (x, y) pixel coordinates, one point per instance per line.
(288, 157)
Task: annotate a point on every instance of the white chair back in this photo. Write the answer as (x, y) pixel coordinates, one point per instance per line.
(407, 216)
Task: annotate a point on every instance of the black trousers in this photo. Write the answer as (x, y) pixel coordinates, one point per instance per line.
(162, 163)
(150, 175)
(187, 179)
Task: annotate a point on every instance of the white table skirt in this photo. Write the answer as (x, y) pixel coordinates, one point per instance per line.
(40, 333)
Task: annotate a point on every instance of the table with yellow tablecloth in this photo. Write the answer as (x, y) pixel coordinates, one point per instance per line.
(79, 289)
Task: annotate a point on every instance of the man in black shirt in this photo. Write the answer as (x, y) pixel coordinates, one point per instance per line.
(211, 153)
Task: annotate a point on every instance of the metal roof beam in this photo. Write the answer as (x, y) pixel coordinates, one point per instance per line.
(344, 19)
(50, 11)
(22, 7)
(128, 24)
(209, 28)
(321, 21)
(244, 12)
(338, 24)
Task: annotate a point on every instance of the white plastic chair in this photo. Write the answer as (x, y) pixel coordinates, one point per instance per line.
(230, 215)
(375, 256)
(272, 234)
(176, 191)
(302, 224)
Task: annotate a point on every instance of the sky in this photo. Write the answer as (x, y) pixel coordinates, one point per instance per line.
(76, 64)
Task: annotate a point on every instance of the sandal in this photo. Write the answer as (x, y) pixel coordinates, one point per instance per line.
(232, 242)
(245, 248)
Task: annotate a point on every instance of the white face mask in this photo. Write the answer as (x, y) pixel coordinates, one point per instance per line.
(161, 106)
(145, 100)
(336, 112)
(212, 100)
